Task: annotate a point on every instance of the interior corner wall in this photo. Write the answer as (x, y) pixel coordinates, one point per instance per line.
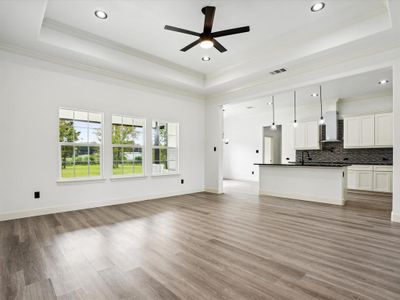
(396, 142)
(31, 92)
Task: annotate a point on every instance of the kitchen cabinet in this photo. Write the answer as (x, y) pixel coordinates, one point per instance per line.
(370, 178)
(359, 132)
(368, 131)
(384, 130)
(307, 136)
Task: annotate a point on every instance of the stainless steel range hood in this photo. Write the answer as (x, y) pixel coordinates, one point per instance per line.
(331, 128)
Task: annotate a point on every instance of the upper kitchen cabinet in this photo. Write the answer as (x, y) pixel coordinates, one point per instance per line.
(368, 131)
(384, 130)
(306, 136)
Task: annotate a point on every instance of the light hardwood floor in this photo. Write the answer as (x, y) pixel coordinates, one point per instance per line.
(203, 246)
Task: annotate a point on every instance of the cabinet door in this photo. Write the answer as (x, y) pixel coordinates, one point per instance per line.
(384, 130)
(351, 180)
(383, 182)
(300, 136)
(367, 131)
(351, 132)
(312, 135)
(365, 180)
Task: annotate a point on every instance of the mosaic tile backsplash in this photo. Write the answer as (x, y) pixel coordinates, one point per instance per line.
(334, 152)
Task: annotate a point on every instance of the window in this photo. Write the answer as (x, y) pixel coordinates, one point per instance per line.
(128, 136)
(80, 140)
(165, 148)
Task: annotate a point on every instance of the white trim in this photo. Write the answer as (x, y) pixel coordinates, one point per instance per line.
(166, 174)
(127, 177)
(302, 198)
(80, 179)
(395, 217)
(78, 206)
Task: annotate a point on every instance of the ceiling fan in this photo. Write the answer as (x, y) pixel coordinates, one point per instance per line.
(207, 38)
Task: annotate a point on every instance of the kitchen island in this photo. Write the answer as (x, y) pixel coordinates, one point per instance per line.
(324, 183)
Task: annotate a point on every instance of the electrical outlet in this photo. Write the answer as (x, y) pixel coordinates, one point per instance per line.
(215, 149)
(257, 151)
(36, 195)
(252, 172)
(182, 181)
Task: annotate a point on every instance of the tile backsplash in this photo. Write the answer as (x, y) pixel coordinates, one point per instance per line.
(334, 152)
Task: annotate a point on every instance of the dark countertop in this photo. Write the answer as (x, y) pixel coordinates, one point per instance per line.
(330, 165)
(383, 163)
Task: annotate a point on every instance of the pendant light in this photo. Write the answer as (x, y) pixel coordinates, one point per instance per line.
(294, 110)
(273, 127)
(321, 120)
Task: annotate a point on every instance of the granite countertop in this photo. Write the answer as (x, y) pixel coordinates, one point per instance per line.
(383, 163)
(331, 165)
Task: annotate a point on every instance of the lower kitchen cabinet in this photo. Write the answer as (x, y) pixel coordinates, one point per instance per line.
(370, 178)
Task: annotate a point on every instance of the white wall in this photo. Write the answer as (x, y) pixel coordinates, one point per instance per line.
(31, 92)
(366, 104)
(396, 142)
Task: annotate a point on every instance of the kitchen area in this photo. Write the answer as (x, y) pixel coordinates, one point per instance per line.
(341, 151)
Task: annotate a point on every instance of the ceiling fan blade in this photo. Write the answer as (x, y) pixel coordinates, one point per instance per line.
(191, 45)
(231, 31)
(209, 12)
(181, 30)
(218, 46)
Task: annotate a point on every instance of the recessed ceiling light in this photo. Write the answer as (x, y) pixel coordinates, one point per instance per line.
(249, 107)
(317, 6)
(206, 58)
(100, 14)
(206, 44)
(269, 103)
(314, 95)
(383, 81)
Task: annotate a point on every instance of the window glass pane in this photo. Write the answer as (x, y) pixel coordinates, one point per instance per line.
(66, 131)
(94, 117)
(117, 161)
(138, 161)
(66, 114)
(128, 161)
(163, 134)
(116, 119)
(94, 159)
(116, 135)
(81, 116)
(171, 154)
(95, 132)
(155, 134)
(80, 134)
(172, 165)
(67, 161)
(172, 128)
(127, 121)
(139, 135)
(127, 134)
(172, 141)
(81, 161)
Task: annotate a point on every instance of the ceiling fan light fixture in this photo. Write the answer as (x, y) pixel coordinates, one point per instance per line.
(383, 81)
(206, 44)
(317, 6)
(101, 14)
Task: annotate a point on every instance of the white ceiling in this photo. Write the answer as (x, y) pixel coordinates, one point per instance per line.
(139, 24)
(132, 44)
(346, 88)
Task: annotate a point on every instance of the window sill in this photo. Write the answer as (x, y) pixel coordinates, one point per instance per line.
(167, 174)
(128, 177)
(81, 180)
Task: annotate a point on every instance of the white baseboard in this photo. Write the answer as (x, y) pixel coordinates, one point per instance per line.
(297, 197)
(395, 217)
(77, 206)
(213, 191)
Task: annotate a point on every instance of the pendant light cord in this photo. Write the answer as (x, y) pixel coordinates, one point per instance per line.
(294, 102)
(273, 110)
(320, 99)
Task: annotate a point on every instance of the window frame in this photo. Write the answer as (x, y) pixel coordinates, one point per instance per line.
(177, 172)
(101, 146)
(133, 147)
